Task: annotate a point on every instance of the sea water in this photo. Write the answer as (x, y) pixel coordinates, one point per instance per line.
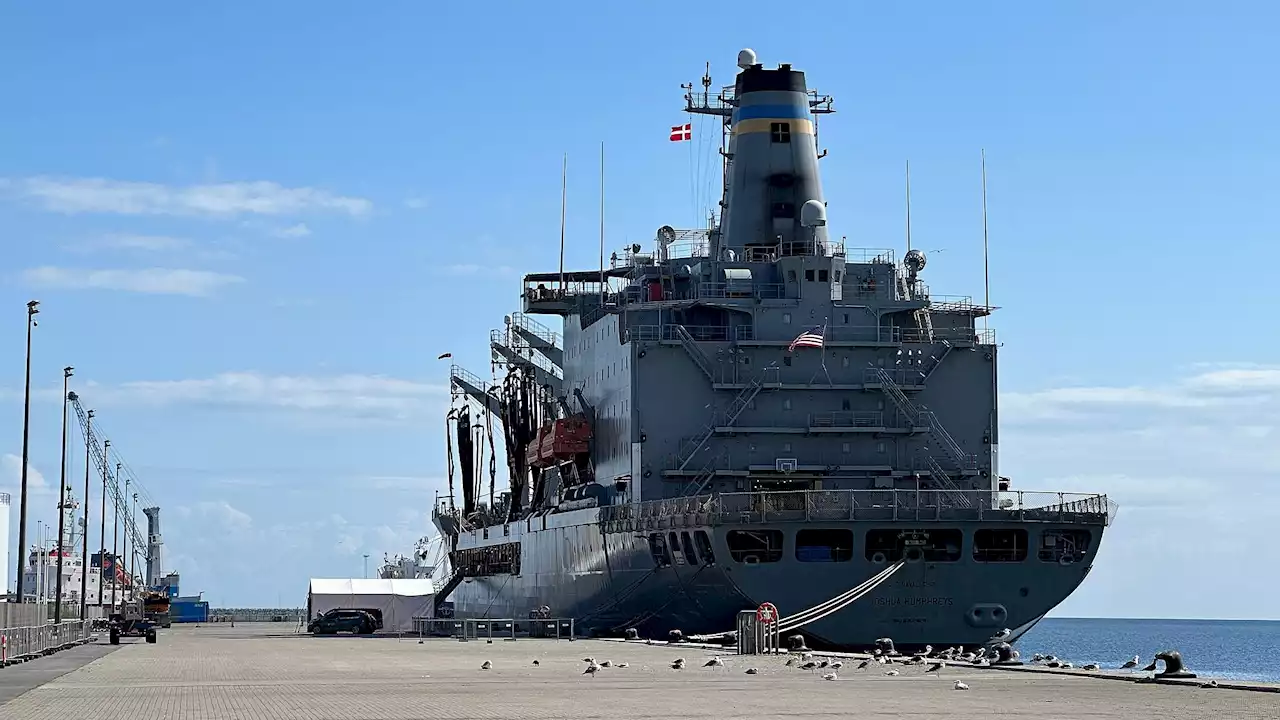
(1231, 649)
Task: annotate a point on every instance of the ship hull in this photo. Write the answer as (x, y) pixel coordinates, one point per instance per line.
(610, 581)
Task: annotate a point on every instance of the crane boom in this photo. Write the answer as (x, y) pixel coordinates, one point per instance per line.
(113, 487)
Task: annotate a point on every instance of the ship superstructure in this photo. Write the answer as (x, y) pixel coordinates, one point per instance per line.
(753, 412)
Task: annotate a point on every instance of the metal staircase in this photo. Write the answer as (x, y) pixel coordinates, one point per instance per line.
(942, 478)
(730, 415)
(925, 319)
(963, 460)
(442, 593)
(691, 346)
(703, 477)
(936, 360)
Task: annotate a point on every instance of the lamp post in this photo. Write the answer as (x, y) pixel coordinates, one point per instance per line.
(366, 565)
(102, 529)
(32, 309)
(84, 552)
(125, 499)
(133, 559)
(115, 539)
(62, 497)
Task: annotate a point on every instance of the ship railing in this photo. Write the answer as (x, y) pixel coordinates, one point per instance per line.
(552, 290)
(868, 256)
(468, 377)
(757, 291)
(884, 505)
(847, 419)
(950, 334)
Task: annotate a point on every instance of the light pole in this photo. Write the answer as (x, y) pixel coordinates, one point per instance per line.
(102, 529)
(366, 565)
(125, 500)
(84, 552)
(115, 539)
(62, 496)
(133, 559)
(32, 309)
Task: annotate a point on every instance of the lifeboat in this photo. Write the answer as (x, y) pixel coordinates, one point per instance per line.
(560, 441)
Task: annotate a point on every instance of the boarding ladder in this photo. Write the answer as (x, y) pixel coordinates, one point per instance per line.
(936, 360)
(442, 593)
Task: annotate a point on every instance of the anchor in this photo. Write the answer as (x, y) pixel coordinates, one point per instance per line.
(1173, 666)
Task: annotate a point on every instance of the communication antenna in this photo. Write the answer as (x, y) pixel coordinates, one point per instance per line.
(986, 266)
(564, 175)
(908, 206)
(602, 286)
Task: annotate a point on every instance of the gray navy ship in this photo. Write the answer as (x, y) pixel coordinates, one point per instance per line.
(752, 413)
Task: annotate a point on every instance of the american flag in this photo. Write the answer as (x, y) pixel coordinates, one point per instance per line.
(681, 132)
(808, 338)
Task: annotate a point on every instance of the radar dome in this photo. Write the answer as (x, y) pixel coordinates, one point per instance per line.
(914, 261)
(746, 58)
(813, 214)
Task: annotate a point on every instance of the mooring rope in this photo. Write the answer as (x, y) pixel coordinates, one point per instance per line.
(824, 608)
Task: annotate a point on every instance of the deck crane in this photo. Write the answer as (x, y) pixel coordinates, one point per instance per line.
(113, 487)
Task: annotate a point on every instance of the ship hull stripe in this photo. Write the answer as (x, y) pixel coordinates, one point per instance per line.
(761, 125)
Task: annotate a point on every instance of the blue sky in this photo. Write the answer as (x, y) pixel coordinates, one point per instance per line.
(253, 227)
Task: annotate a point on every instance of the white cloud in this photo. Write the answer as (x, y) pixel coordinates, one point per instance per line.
(293, 231)
(368, 395)
(1192, 463)
(102, 195)
(137, 243)
(11, 479)
(160, 281)
(415, 203)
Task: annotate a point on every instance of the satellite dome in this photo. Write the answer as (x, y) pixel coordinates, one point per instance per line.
(813, 214)
(746, 58)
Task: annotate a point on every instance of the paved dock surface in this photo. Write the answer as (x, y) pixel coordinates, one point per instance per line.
(261, 672)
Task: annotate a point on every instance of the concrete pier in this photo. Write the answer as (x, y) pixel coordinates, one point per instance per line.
(264, 672)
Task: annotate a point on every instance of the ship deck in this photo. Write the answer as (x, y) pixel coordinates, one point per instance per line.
(261, 671)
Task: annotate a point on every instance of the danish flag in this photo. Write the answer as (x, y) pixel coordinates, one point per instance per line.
(681, 132)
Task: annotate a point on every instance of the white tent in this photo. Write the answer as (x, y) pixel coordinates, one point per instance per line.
(400, 600)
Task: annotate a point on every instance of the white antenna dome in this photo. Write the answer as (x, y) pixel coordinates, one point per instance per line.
(813, 214)
(746, 58)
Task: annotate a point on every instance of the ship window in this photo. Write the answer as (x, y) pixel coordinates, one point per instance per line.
(686, 543)
(658, 549)
(755, 546)
(832, 545)
(846, 318)
(780, 132)
(673, 542)
(824, 276)
(844, 447)
(1064, 545)
(914, 545)
(844, 404)
(808, 275)
(704, 547)
(1000, 545)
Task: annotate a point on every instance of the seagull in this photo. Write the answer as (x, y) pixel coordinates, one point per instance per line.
(486, 665)
(605, 663)
(1003, 635)
(752, 671)
(714, 662)
(588, 660)
(535, 662)
(1092, 666)
(809, 665)
(1132, 663)
(591, 670)
(622, 665)
(837, 665)
(863, 664)
(1037, 657)
(1210, 684)
(960, 685)
(891, 672)
(936, 667)
(791, 661)
(824, 663)
(829, 676)
(678, 664)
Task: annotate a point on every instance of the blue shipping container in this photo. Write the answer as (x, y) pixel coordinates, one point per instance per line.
(187, 611)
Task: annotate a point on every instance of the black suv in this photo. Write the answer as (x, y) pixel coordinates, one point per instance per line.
(357, 622)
